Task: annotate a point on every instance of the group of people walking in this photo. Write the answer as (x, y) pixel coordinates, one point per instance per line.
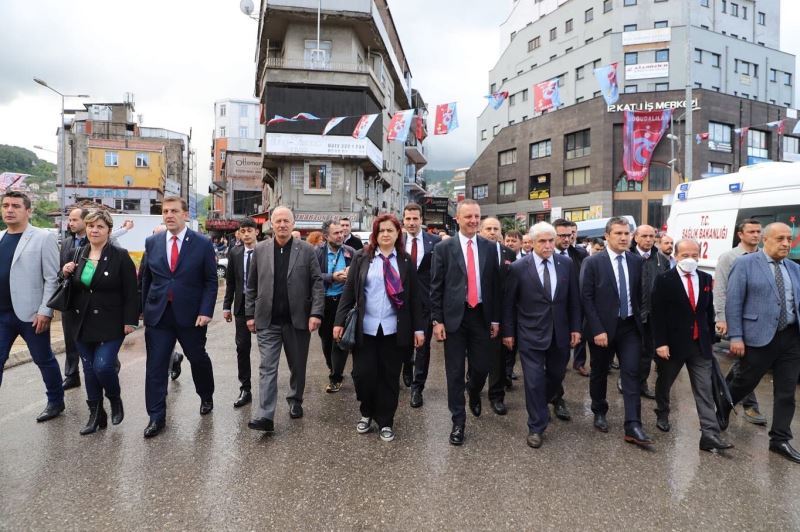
(486, 298)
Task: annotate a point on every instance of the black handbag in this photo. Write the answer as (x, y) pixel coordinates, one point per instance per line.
(722, 396)
(60, 299)
(348, 339)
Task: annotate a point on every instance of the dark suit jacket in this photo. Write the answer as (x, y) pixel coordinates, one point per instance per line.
(193, 283)
(652, 267)
(110, 301)
(424, 271)
(322, 256)
(410, 317)
(449, 282)
(234, 281)
(577, 254)
(530, 315)
(673, 317)
(600, 296)
(68, 249)
(354, 242)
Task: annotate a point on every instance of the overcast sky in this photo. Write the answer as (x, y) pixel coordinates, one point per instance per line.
(178, 56)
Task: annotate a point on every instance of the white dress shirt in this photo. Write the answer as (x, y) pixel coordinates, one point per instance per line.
(420, 246)
(551, 267)
(695, 284)
(463, 240)
(643, 253)
(180, 236)
(613, 256)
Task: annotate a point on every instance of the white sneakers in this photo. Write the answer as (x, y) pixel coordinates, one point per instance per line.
(364, 425)
(387, 434)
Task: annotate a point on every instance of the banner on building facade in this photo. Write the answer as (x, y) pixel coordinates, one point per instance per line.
(446, 119)
(496, 99)
(545, 96)
(607, 79)
(363, 125)
(400, 125)
(642, 131)
(243, 165)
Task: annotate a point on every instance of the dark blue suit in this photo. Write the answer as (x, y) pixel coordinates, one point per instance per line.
(541, 326)
(193, 289)
(601, 308)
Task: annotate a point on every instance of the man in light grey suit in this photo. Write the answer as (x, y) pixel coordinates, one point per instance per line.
(28, 278)
(763, 317)
(284, 304)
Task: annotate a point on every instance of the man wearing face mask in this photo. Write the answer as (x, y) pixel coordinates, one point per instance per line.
(682, 319)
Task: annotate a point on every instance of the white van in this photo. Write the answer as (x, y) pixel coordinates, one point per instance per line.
(709, 210)
(597, 228)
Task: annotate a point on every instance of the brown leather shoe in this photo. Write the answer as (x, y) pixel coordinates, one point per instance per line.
(582, 370)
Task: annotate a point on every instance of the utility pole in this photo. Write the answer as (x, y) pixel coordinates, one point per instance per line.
(689, 130)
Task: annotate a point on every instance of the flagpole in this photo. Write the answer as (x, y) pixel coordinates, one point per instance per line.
(687, 167)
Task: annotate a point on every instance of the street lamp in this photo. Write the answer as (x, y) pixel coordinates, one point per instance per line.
(62, 162)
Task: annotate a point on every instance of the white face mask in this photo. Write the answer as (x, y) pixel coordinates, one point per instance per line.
(687, 265)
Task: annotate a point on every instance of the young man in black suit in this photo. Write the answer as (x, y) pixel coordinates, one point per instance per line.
(611, 292)
(236, 276)
(349, 238)
(465, 307)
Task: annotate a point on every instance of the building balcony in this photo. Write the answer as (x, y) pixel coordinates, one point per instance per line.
(415, 185)
(415, 151)
(301, 71)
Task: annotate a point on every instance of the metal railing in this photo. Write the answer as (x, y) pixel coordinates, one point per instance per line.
(303, 64)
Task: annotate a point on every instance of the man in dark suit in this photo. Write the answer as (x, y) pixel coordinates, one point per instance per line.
(513, 241)
(498, 379)
(69, 245)
(179, 291)
(653, 266)
(682, 319)
(419, 246)
(465, 307)
(284, 305)
(334, 259)
(239, 259)
(611, 289)
(762, 312)
(542, 311)
(566, 232)
(349, 238)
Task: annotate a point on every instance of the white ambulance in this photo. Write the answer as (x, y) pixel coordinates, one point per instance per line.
(708, 210)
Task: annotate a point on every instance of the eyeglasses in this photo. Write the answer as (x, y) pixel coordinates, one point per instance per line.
(568, 235)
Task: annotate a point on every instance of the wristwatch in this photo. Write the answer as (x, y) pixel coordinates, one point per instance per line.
(435, 323)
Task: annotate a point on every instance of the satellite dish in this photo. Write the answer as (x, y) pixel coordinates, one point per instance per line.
(247, 7)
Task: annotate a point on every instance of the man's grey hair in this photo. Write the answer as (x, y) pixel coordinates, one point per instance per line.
(279, 207)
(326, 226)
(677, 247)
(542, 228)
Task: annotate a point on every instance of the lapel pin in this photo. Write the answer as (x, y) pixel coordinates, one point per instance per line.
(105, 273)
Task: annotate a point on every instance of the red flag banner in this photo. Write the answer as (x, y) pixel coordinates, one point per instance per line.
(546, 96)
(642, 131)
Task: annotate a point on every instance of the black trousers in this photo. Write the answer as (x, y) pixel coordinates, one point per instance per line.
(750, 400)
(627, 344)
(243, 347)
(648, 353)
(69, 323)
(471, 341)
(499, 370)
(782, 356)
(510, 356)
(335, 358)
(376, 376)
(579, 355)
(421, 360)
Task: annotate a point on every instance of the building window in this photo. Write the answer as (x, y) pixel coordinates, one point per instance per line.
(579, 73)
(112, 158)
(568, 26)
(493, 88)
(561, 80)
(539, 187)
(757, 145)
(698, 55)
(715, 58)
(607, 32)
(142, 160)
(222, 131)
(698, 85)
(587, 41)
(128, 205)
(734, 9)
(631, 58)
(623, 185)
(317, 177)
(512, 100)
(577, 177)
(506, 158)
(661, 24)
(713, 88)
(627, 3)
(483, 134)
(588, 15)
(662, 56)
(552, 57)
(244, 110)
(243, 132)
(553, 34)
(747, 68)
(773, 75)
(480, 192)
(246, 202)
(513, 34)
(607, 6)
(662, 86)
(507, 188)
(762, 18)
(577, 144)
(719, 137)
(222, 109)
(631, 89)
(525, 95)
(495, 130)
(744, 12)
(724, 6)
(719, 168)
(704, 27)
(577, 215)
(629, 27)
(791, 148)
(568, 50)
(534, 43)
(704, 3)
(658, 178)
(315, 58)
(541, 149)
(787, 79)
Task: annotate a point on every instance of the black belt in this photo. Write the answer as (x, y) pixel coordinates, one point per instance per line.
(335, 298)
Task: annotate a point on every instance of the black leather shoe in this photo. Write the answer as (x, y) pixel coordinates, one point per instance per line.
(614, 364)
(514, 376)
(648, 393)
(662, 423)
(499, 408)
(245, 397)
(785, 449)
(408, 375)
(534, 440)
(98, 419)
(206, 407)
(636, 435)
(600, 422)
(154, 428)
(295, 411)
(117, 412)
(475, 405)
(561, 410)
(509, 383)
(713, 444)
(175, 370)
(73, 381)
(457, 435)
(619, 384)
(724, 414)
(51, 410)
(416, 399)
(263, 424)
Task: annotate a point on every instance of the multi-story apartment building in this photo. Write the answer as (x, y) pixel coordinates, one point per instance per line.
(354, 66)
(734, 51)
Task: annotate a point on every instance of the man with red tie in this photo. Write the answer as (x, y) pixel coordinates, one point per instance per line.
(465, 311)
(179, 291)
(682, 318)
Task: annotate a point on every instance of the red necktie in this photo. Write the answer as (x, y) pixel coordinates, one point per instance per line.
(173, 259)
(472, 282)
(414, 251)
(696, 331)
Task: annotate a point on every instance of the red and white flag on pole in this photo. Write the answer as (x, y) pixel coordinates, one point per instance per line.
(332, 123)
(400, 125)
(362, 128)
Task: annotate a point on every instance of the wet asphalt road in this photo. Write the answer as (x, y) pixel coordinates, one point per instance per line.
(213, 473)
